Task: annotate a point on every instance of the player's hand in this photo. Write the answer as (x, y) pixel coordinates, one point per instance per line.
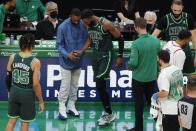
(41, 107)
(73, 57)
(118, 62)
(77, 52)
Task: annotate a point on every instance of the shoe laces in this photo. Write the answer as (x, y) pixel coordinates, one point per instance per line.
(105, 117)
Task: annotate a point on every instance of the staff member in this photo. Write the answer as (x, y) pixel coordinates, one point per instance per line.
(30, 9)
(143, 63)
(46, 29)
(170, 84)
(6, 6)
(71, 36)
(151, 18)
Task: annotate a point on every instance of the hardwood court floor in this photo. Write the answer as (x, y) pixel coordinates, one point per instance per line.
(89, 113)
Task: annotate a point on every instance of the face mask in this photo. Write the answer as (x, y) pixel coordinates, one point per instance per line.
(54, 14)
(149, 27)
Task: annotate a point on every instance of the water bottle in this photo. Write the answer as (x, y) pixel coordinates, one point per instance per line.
(121, 24)
(8, 21)
(116, 23)
(11, 39)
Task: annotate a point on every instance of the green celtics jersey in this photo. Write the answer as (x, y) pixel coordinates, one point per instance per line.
(174, 27)
(100, 40)
(22, 74)
(176, 85)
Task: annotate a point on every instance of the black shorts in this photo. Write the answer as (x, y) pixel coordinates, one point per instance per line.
(22, 104)
(101, 63)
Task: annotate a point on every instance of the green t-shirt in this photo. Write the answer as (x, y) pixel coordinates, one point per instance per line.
(143, 58)
(2, 16)
(30, 9)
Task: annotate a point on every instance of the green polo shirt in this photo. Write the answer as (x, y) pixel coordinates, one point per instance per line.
(2, 16)
(143, 58)
(30, 9)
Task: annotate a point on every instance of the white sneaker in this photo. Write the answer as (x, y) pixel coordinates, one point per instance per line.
(62, 111)
(106, 119)
(71, 109)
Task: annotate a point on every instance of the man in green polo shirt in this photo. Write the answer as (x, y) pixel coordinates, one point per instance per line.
(6, 6)
(30, 9)
(143, 63)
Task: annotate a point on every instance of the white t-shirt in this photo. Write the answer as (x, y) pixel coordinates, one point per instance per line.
(177, 55)
(171, 80)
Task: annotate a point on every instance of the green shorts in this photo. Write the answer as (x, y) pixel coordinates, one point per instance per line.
(101, 63)
(22, 104)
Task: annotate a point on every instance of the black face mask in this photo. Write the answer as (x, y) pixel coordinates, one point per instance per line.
(149, 27)
(54, 14)
(92, 23)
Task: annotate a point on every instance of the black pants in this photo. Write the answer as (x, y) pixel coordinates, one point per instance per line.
(170, 123)
(139, 90)
(104, 96)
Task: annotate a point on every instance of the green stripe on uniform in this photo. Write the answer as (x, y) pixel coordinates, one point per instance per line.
(13, 117)
(109, 58)
(27, 120)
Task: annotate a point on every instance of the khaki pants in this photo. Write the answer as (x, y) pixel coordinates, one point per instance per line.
(69, 85)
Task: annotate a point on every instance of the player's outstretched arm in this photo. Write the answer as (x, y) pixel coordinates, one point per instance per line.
(36, 84)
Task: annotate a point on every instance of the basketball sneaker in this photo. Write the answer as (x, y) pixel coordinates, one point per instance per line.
(106, 119)
(71, 109)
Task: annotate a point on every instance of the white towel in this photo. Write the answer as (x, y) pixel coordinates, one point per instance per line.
(155, 112)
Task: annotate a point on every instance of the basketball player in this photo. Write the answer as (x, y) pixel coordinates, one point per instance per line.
(177, 55)
(187, 106)
(172, 24)
(100, 33)
(23, 72)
